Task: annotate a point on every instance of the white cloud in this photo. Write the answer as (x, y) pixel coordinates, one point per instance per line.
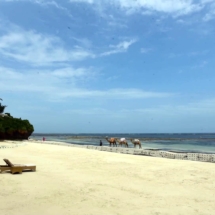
(117, 24)
(65, 83)
(180, 21)
(188, 54)
(198, 109)
(70, 73)
(43, 3)
(115, 94)
(145, 50)
(206, 1)
(200, 65)
(87, 1)
(143, 6)
(211, 14)
(197, 53)
(193, 108)
(119, 48)
(84, 42)
(46, 82)
(38, 49)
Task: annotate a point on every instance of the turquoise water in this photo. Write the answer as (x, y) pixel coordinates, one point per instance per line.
(167, 142)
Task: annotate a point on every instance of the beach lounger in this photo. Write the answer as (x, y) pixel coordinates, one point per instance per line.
(4, 168)
(17, 168)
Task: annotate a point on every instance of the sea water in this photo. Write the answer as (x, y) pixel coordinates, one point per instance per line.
(200, 142)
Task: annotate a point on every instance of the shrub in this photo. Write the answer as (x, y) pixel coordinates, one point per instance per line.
(14, 128)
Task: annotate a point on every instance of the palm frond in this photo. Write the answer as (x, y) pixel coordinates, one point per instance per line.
(2, 107)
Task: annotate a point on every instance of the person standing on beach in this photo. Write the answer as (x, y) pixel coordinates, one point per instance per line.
(100, 143)
(44, 138)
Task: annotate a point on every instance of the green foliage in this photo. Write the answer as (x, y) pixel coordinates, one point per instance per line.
(8, 114)
(14, 128)
(2, 130)
(2, 107)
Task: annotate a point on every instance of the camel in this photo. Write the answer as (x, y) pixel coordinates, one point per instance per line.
(136, 142)
(112, 141)
(122, 141)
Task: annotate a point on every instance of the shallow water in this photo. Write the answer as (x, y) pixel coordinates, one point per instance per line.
(167, 142)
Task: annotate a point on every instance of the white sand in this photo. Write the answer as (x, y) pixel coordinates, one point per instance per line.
(86, 182)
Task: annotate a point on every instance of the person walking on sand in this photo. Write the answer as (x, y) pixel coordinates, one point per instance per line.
(100, 143)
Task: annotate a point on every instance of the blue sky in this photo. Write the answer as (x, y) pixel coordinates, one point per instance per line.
(98, 66)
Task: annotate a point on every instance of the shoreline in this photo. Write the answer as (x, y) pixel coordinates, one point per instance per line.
(182, 145)
(116, 136)
(201, 157)
(73, 180)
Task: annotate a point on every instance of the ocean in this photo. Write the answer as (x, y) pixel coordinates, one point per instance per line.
(185, 142)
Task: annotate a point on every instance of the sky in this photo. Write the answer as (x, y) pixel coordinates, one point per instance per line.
(109, 66)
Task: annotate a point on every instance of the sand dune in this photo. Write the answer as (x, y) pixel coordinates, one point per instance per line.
(79, 181)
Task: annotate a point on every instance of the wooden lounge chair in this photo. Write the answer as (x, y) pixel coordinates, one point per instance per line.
(17, 167)
(4, 168)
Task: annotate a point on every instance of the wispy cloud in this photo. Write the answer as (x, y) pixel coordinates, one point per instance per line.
(197, 53)
(38, 49)
(46, 81)
(116, 94)
(198, 108)
(168, 6)
(192, 108)
(119, 48)
(145, 7)
(44, 3)
(211, 13)
(65, 83)
(189, 54)
(145, 50)
(70, 73)
(201, 64)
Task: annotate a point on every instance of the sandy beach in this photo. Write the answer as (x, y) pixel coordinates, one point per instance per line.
(80, 181)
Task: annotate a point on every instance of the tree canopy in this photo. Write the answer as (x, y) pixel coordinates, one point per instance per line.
(2, 107)
(13, 128)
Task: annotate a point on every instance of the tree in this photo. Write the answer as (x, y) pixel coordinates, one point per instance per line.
(2, 107)
(13, 128)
